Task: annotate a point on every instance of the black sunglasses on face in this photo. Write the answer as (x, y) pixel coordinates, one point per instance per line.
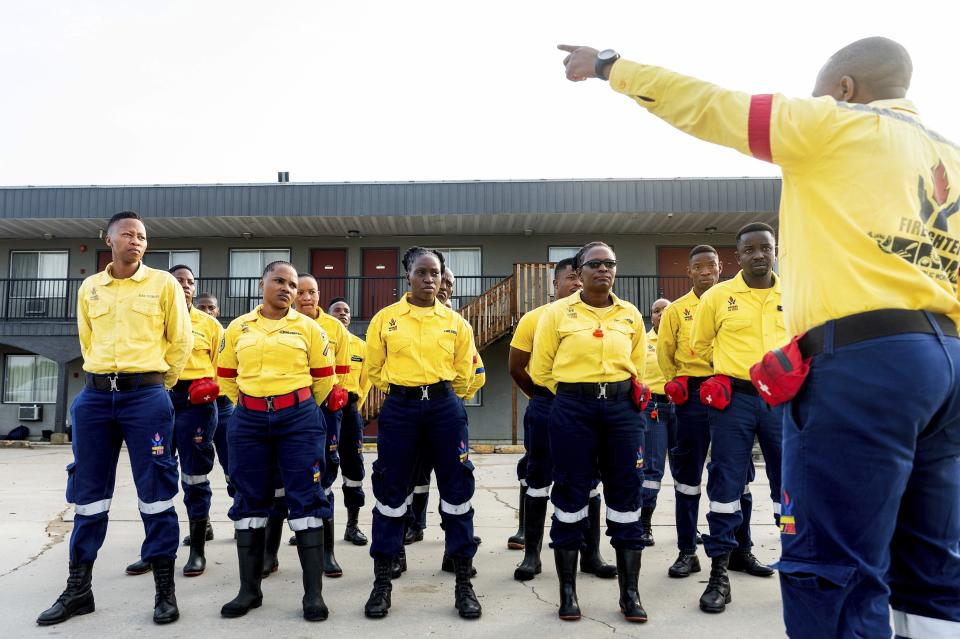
(595, 264)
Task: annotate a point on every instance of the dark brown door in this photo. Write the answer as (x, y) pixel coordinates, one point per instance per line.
(672, 268)
(381, 282)
(103, 258)
(329, 266)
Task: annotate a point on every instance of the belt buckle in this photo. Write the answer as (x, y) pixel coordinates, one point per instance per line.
(270, 408)
(603, 390)
(112, 377)
(425, 390)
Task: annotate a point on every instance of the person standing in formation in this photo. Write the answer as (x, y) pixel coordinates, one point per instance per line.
(135, 338)
(590, 351)
(421, 354)
(535, 493)
(277, 367)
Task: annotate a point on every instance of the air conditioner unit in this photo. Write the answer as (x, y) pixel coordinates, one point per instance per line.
(36, 307)
(29, 413)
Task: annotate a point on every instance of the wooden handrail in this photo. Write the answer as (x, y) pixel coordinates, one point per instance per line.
(491, 313)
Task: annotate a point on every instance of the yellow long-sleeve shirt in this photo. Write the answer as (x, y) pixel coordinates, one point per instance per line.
(262, 357)
(674, 352)
(735, 325)
(653, 377)
(867, 203)
(207, 334)
(579, 343)
(357, 381)
(138, 324)
(479, 376)
(339, 339)
(412, 346)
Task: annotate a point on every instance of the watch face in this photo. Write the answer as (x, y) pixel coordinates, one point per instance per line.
(607, 54)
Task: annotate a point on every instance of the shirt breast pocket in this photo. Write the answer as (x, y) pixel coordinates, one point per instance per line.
(147, 313)
(448, 342)
(98, 311)
(622, 333)
(570, 327)
(397, 343)
(293, 341)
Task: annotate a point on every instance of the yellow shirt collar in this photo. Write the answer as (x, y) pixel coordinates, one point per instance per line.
(740, 285)
(106, 275)
(579, 300)
(438, 308)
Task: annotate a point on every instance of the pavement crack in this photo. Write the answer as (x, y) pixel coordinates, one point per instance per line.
(56, 530)
(529, 585)
(496, 496)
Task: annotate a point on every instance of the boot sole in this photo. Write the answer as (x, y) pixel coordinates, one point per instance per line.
(333, 574)
(515, 545)
(193, 573)
(375, 615)
(319, 616)
(356, 542)
(752, 574)
(86, 610)
(633, 619)
(714, 611)
(682, 575)
(570, 617)
(469, 615)
(240, 613)
(137, 573)
(166, 620)
(526, 575)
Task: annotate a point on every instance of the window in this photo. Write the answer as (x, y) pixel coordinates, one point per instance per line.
(26, 267)
(466, 266)
(249, 263)
(29, 379)
(557, 253)
(163, 260)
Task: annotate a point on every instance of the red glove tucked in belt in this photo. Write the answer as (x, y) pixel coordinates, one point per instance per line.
(677, 390)
(779, 375)
(337, 398)
(639, 394)
(203, 391)
(716, 391)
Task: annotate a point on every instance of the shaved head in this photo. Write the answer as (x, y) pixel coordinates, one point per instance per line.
(866, 70)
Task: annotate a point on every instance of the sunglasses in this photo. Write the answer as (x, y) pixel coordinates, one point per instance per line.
(595, 264)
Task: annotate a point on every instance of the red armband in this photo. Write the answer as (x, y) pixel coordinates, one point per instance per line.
(203, 391)
(337, 398)
(716, 392)
(677, 390)
(780, 374)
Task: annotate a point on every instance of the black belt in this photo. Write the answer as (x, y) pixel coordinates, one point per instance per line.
(542, 391)
(183, 385)
(660, 399)
(122, 382)
(872, 324)
(743, 386)
(427, 392)
(596, 390)
(693, 383)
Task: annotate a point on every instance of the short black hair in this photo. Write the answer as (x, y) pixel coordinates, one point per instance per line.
(174, 269)
(206, 295)
(416, 251)
(702, 248)
(578, 260)
(337, 300)
(123, 215)
(274, 264)
(754, 227)
(567, 262)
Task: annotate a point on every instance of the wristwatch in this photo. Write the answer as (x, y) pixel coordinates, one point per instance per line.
(605, 57)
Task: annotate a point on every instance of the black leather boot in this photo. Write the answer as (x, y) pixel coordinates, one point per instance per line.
(535, 513)
(208, 535)
(273, 535)
(646, 522)
(196, 562)
(685, 565)
(310, 547)
(717, 595)
(465, 599)
(139, 567)
(330, 566)
(378, 605)
(566, 561)
(352, 532)
(518, 541)
(447, 565)
(628, 573)
(741, 561)
(165, 602)
(590, 560)
(399, 564)
(76, 599)
(412, 535)
(250, 544)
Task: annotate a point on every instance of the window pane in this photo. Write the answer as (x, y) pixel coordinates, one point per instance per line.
(23, 265)
(188, 258)
(273, 256)
(46, 381)
(557, 253)
(157, 259)
(53, 266)
(465, 264)
(18, 378)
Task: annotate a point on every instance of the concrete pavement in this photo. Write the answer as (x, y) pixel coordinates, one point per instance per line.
(35, 523)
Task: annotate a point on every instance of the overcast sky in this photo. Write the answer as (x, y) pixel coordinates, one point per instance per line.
(202, 91)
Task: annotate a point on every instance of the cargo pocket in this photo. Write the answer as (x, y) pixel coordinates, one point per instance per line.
(164, 485)
(71, 479)
(814, 595)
